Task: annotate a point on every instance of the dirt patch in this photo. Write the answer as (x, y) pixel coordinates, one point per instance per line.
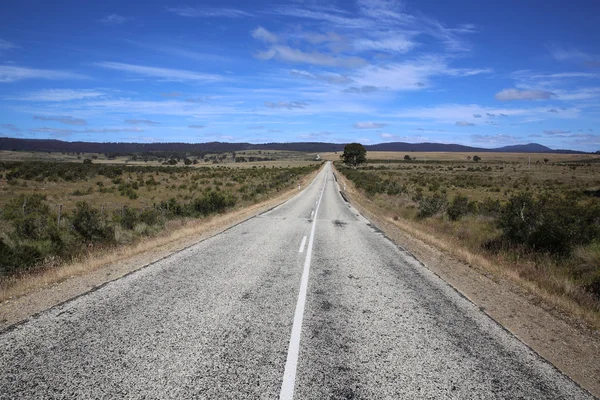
(564, 340)
(37, 293)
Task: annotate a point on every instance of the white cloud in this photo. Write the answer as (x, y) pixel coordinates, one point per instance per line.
(496, 140)
(171, 94)
(157, 72)
(561, 53)
(9, 73)
(197, 126)
(396, 44)
(516, 94)
(329, 78)
(62, 119)
(556, 132)
(6, 45)
(464, 123)
(91, 130)
(288, 54)
(113, 19)
(209, 12)
(261, 33)
(57, 95)
(141, 122)
(369, 125)
(286, 104)
(362, 89)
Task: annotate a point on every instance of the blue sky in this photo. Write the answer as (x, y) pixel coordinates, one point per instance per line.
(478, 73)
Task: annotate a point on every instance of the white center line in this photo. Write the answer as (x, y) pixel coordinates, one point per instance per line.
(302, 245)
(289, 375)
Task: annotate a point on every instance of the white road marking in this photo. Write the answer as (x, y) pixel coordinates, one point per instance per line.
(289, 375)
(302, 245)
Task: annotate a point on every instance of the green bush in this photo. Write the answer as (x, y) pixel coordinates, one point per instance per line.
(18, 258)
(30, 216)
(431, 205)
(88, 224)
(458, 207)
(212, 202)
(552, 224)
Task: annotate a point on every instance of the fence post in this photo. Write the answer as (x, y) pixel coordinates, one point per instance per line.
(59, 214)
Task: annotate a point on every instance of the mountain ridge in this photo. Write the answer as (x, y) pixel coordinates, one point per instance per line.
(53, 145)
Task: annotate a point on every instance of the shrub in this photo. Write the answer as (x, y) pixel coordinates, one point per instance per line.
(88, 224)
(30, 216)
(431, 205)
(15, 260)
(552, 224)
(212, 202)
(458, 207)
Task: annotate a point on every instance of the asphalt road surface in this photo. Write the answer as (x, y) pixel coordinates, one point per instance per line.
(307, 300)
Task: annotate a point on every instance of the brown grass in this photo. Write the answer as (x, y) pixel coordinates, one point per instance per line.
(177, 235)
(554, 288)
(462, 156)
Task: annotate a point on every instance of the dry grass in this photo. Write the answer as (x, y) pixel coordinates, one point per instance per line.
(462, 156)
(177, 235)
(464, 239)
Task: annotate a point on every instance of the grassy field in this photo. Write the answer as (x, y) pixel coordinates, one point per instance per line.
(264, 157)
(385, 156)
(106, 204)
(538, 222)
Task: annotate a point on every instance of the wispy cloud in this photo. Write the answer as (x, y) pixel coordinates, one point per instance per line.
(91, 130)
(141, 122)
(369, 125)
(186, 11)
(362, 89)
(6, 45)
(113, 19)
(67, 120)
(197, 126)
(261, 33)
(464, 123)
(556, 132)
(171, 94)
(516, 94)
(329, 78)
(569, 53)
(256, 127)
(286, 104)
(157, 72)
(288, 54)
(9, 73)
(57, 95)
(10, 127)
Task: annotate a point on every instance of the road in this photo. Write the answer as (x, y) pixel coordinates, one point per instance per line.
(307, 300)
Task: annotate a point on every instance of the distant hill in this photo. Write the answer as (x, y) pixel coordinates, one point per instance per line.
(49, 145)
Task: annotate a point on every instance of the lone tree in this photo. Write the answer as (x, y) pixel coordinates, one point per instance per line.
(354, 154)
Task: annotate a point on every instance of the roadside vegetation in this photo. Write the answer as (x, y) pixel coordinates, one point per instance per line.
(52, 212)
(538, 222)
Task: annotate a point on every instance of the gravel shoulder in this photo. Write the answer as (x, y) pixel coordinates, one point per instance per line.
(562, 340)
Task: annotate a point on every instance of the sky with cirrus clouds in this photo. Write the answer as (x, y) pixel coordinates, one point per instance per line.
(484, 74)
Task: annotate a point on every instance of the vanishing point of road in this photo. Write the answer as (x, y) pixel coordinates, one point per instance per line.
(307, 300)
